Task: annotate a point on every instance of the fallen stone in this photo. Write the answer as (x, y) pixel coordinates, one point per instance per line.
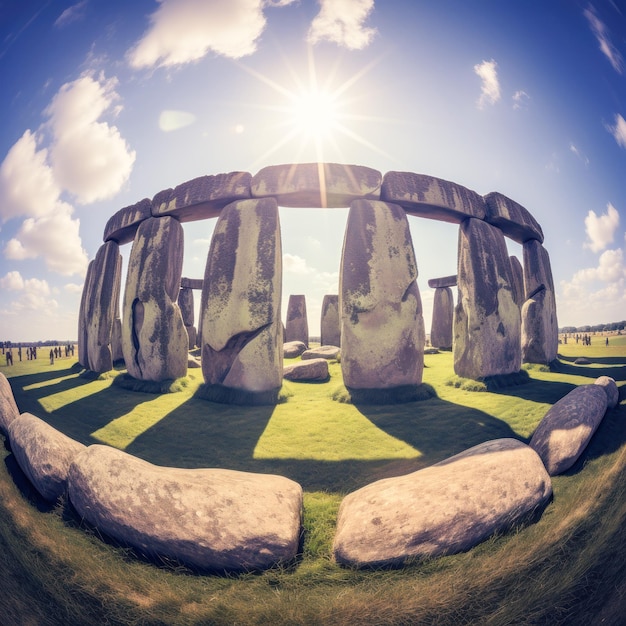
(512, 218)
(322, 352)
(581, 360)
(443, 316)
(210, 519)
(43, 453)
(330, 323)
(8, 406)
(193, 362)
(445, 281)
(442, 509)
(293, 349)
(310, 370)
(567, 427)
(123, 225)
(297, 326)
(202, 197)
(324, 185)
(435, 198)
(610, 387)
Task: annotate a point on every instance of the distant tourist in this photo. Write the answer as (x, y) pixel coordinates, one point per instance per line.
(9, 356)
(51, 356)
(606, 343)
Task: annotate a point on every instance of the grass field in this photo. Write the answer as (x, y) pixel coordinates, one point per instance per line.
(568, 568)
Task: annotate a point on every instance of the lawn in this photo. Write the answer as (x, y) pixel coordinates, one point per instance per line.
(567, 568)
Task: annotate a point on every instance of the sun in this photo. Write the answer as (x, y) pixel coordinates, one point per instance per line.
(315, 114)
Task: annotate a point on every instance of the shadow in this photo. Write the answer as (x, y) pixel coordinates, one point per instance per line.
(24, 485)
(603, 360)
(567, 367)
(545, 391)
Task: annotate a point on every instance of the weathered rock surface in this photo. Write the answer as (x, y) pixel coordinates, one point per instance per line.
(309, 370)
(241, 327)
(123, 225)
(43, 453)
(431, 197)
(444, 281)
(517, 274)
(486, 318)
(567, 427)
(512, 218)
(316, 184)
(83, 357)
(293, 349)
(443, 315)
(382, 327)
(8, 406)
(297, 325)
(202, 197)
(211, 519)
(154, 339)
(322, 352)
(191, 283)
(117, 351)
(443, 509)
(610, 387)
(330, 323)
(186, 305)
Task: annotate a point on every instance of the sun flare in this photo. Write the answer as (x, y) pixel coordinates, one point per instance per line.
(315, 114)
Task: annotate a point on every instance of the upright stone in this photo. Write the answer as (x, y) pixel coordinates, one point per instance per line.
(154, 339)
(330, 323)
(443, 315)
(297, 326)
(517, 274)
(241, 328)
(83, 359)
(382, 327)
(186, 304)
(540, 330)
(486, 318)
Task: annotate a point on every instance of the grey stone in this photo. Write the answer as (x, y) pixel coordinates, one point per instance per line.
(316, 184)
(293, 349)
(193, 362)
(43, 453)
(241, 327)
(443, 509)
(83, 357)
(431, 197)
(322, 352)
(382, 327)
(517, 274)
(123, 225)
(486, 318)
(581, 360)
(8, 406)
(330, 322)
(512, 218)
(310, 370)
(610, 387)
(191, 283)
(211, 519)
(443, 315)
(186, 306)
(565, 430)
(117, 351)
(445, 281)
(154, 339)
(192, 333)
(202, 197)
(296, 325)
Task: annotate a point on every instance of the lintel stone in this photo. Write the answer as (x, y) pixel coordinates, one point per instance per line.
(512, 218)
(445, 281)
(123, 225)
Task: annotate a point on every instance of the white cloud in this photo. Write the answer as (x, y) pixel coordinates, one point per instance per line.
(599, 29)
(601, 229)
(12, 281)
(293, 264)
(490, 87)
(342, 22)
(576, 151)
(610, 269)
(183, 31)
(73, 288)
(34, 294)
(72, 14)
(520, 99)
(619, 130)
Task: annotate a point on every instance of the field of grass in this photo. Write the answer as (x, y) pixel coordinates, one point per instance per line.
(569, 568)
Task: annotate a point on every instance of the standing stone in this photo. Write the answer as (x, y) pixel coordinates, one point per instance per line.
(382, 327)
(297, 327)
(443, 315)
(241, 328)
(154, 339)
(186, 304)
(330, 324)
(102, 306)
(83, 359)
(540, 330)
(517, 274)
(486, 318)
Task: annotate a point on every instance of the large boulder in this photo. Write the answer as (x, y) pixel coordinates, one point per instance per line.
(567, 427)
(293, 349)
(211, 519)
(241, 327)
(443, 509)
(382, 327)
(443, 316)
(43, 453)
(154, 339)
(610, 387)
(486, 318)
(8, 406)
(330, 323)
(316, 184)
(123, 225)
(512, 218)
(322, 352)
(296, 325)
(309, 370)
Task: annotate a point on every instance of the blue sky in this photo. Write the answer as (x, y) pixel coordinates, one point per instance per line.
(108, 102)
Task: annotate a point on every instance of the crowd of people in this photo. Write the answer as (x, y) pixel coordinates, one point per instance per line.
(56, 352)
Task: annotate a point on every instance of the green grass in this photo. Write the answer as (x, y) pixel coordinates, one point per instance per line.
(568, 568)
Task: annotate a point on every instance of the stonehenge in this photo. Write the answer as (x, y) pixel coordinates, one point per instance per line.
(505, 315)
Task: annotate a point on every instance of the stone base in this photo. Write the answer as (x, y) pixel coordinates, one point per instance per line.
(242, 397)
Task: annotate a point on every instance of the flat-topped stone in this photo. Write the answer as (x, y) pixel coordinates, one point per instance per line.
(191, 283)
(202, 197)
(444, 281)
(512, 218)
(325, 185)
(322, 352)
(310, 370)
(211, 519)
(123, 225)
(435, 198)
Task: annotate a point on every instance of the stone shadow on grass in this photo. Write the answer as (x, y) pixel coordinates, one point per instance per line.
(565, 367)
